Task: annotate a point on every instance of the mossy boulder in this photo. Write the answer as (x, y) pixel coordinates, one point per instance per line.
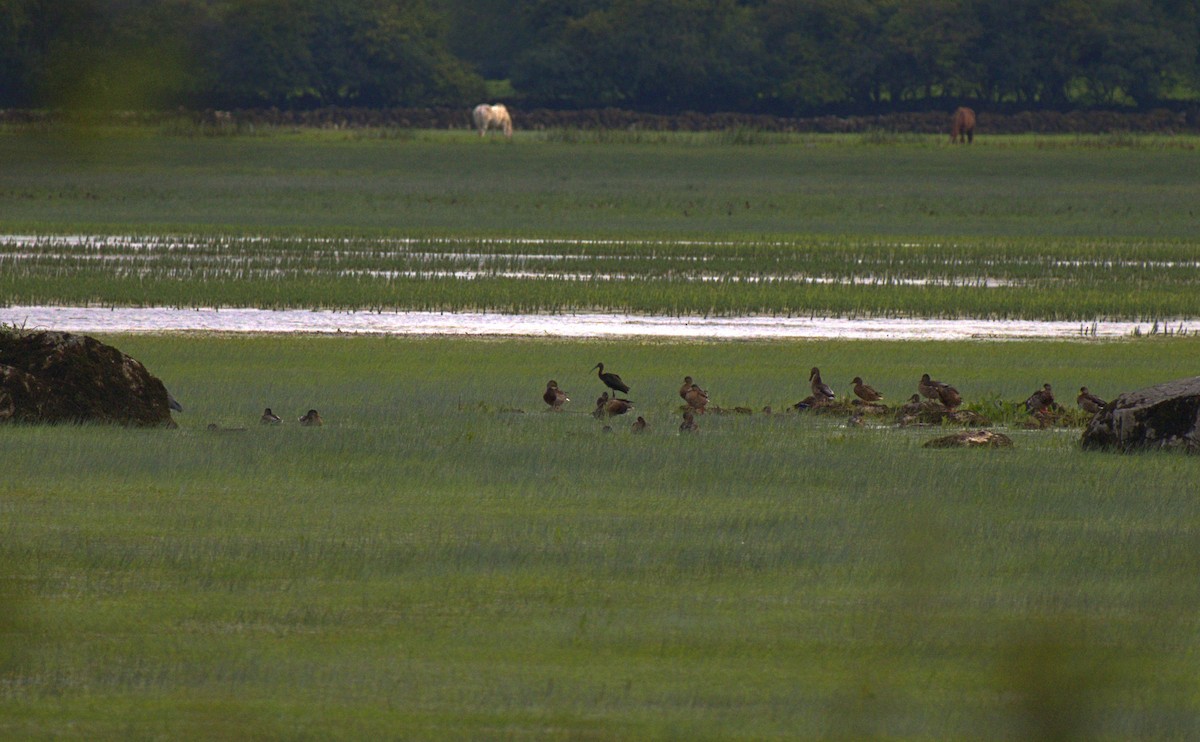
(1162, 416)
(59, 377)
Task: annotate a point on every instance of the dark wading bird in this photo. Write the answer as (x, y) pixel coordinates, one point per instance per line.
(611, 380)
(640, 425)
(1040, 400)
(311, 418)
(606, 407)
(695, 397)
(689, 423)
(821, 391)
(864, 392)
(270, 418)
(1089, 402)
(554, 396)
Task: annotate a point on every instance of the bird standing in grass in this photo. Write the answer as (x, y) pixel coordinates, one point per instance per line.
(1040, 400)
(554, 396)
(696, 398)
(865, 392)
(942, 392)
(689, 423)
(270, 418)
(611, 380)
(639, 425)
(1089, 402)
(606, 407)
(821, 391)
(311, 418)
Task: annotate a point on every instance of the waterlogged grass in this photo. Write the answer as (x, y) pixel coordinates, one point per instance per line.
(425, 565)
(612, 184)
(1064, 279)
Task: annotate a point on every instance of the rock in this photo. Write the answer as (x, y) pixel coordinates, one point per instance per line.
(928, 412)
(1163, 416)
(972, 439)
(58, 377)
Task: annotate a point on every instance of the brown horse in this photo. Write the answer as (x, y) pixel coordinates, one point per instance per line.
(962, 126)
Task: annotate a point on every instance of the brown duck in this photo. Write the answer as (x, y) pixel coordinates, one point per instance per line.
(696, 397)
(554, 396)
(912, 406)
(865, 392)
(928, 387)
(940, 391)
(821, 391)
(270, 418)
(1040, 400)
(949, 396)
(606, 407)
(1089, 402)
(689, 423)
(311, 418)
(639, 425)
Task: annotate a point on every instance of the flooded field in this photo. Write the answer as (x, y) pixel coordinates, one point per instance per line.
(1071, 283)
(584, 325)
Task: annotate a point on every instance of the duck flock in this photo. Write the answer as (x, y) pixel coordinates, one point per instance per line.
(934, 401)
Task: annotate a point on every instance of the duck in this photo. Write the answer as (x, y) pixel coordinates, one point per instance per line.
(270, 418)
(687, 387)
(912, 406)
(865, 392)
(689, 423)
(606, 407)
(554, 396)
(928, 387)
(639, 425)
(949, 396)
(610, 380)
(1040, 400)
(941, 391)
(1089, 402)
(311, 418)
(820, 389)
(696, 397)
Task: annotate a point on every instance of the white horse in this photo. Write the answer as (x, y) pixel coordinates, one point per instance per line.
(487, 116)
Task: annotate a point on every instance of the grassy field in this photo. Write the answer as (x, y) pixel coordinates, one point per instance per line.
(434, 564)
(452, 184)
(428, 566)
(1013, 227)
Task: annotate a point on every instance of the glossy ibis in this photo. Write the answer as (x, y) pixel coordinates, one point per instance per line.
(611, 380)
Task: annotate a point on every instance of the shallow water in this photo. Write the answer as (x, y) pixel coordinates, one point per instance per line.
(582, 325)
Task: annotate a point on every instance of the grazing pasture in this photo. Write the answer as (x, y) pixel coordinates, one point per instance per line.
(430, 563)
(619, 185)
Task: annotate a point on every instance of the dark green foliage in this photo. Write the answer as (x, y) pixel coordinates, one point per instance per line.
(777, 56)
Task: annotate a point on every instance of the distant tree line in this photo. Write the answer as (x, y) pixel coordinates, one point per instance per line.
(784, 57)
